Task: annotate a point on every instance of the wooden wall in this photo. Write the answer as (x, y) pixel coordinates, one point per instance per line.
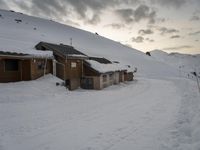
(37, 68)
(128, 76)
(121, 76)
(70, 69)
(73, 68)
(9, 76)
(27, 69)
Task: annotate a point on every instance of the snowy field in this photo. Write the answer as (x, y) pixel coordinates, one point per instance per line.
(143, 114)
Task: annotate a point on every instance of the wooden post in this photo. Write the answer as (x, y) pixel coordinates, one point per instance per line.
(198, 83)
(21, 70)
(54, 67)
(45, 66)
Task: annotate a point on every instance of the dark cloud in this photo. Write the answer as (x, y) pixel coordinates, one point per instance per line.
(23, 5)
(144, 32)
(88, 11)
(94, 20)
(170, 3)
(48, 6)
(142, 12)
(138, 39)
(150, 40)
(175, 37)
(165, 30)
(195, 18)
(126, 14)
(194, 33)
(82, 6)
(3, 5)
(115, 25)
(178, 47)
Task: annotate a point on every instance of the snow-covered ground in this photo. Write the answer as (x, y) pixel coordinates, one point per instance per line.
(159, 110)
(143, 114)
(185, 63)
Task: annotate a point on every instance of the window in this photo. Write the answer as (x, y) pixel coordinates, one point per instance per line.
(73, 64)
(11, 65)
(40, 65)
(104, 78)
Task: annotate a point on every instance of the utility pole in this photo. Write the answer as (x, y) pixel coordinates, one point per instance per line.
(198, 83)
(70, 41)
(196, 75)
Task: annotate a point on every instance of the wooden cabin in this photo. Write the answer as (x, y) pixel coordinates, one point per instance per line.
(22, 67)
(68, 63)
(129, 74)
(100, 73)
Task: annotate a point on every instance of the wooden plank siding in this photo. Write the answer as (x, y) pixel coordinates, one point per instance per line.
(69, 70)
(37, 68)
(28, 69)
(9, 76)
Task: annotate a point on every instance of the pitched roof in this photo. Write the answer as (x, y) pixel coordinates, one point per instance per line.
(26, 53)
(61, 48)
(100, 60)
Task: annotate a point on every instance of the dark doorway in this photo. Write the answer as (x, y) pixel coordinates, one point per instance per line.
(87, 83)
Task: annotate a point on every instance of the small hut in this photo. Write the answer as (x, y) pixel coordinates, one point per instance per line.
(24, 65)
(68, 64)
(100, 73)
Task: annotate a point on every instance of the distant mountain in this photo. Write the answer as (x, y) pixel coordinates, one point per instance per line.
(185, 63)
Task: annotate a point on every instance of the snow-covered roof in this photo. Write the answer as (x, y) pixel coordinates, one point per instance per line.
(103, 68)
(66, 50)
(29, 52)
(77, 55)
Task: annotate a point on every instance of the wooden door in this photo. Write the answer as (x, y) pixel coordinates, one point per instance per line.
(26, 70)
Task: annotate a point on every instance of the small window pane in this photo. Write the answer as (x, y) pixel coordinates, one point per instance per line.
(40, 65)
(11, 65)
(73, 65)
(104, 78)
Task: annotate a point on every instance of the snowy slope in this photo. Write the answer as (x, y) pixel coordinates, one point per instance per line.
(185, 63)
(26, 34)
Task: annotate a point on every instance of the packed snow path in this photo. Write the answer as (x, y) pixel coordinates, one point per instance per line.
(39, 115)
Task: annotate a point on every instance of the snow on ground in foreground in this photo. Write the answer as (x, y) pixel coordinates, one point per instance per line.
(185, 132)
(39, 115)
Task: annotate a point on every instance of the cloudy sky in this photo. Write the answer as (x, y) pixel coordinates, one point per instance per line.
(170, 25)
